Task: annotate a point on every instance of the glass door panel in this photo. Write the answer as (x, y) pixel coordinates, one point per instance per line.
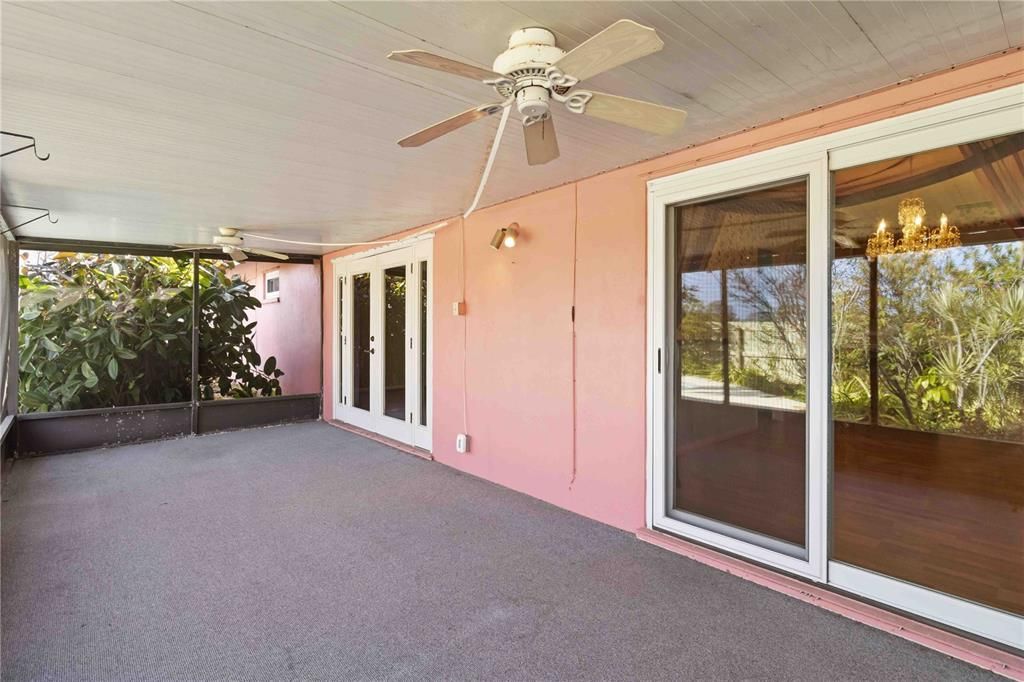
(394, 334)
(424, 317)
(738, 425)
(341, 334)
(927, 367)
(362, 341)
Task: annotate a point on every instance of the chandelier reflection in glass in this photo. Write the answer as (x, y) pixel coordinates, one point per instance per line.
(916, 236)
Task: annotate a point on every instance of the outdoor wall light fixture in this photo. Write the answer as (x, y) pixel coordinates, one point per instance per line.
(505, 236)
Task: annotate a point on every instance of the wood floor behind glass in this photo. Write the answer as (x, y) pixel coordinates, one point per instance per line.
(941, 511)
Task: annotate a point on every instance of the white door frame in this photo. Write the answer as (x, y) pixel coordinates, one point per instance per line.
(412, 254)
(993, 624)
(716, 181)
(343, 406)
(983, 116)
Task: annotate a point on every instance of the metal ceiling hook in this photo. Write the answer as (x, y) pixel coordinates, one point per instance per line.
(45, 214)
(27, 146)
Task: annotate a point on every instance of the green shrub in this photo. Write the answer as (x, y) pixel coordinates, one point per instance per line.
(106, 330)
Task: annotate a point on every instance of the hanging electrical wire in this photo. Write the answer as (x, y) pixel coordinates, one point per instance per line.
(472, 207)
(490, 162)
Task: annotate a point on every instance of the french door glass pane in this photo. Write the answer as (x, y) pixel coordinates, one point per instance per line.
(394, 342)
(423, 343)
(928, 371)
(341, 333)
(362, 344)
(739, 359)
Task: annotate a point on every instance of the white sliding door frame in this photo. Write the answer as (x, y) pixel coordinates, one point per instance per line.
(992, 114)
(734, 177)
(999, 626)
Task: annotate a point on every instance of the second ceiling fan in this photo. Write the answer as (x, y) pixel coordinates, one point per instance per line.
(533, 71)
(229, 240)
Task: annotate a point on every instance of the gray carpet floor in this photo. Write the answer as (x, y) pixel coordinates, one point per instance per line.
(304, 552)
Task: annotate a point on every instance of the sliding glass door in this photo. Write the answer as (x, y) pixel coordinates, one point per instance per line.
(836, 382)
(382, 345)
(739, 365)
(734, 370)
(928, 381)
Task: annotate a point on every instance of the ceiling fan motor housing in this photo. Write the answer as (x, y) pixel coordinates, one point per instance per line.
(530, 52)
(532, 101)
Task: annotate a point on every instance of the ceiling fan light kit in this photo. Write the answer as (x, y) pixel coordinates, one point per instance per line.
(534, 71)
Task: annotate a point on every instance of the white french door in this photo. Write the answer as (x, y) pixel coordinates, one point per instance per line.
(382, 338)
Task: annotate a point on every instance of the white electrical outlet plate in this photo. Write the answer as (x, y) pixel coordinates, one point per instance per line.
(462, 443)
(459, 308)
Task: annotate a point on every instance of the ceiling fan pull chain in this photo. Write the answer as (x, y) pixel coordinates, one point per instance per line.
(531, 120)
(490, 161)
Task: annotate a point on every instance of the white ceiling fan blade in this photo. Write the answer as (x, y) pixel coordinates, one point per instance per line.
(439, 63)
(541, 143)
(236, 255)
(265, 252)
(635, 113)
(621, 42)
(193, 247)
(448, 125)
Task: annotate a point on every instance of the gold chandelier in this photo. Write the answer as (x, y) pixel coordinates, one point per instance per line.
(916, 235)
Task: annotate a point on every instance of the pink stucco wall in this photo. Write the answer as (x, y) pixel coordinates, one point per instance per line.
(286, 328)
(583, 448)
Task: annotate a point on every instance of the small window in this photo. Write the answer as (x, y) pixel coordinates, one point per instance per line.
(272, 285)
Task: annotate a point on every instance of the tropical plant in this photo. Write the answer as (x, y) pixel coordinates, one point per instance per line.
(777, 296)
(950, 342)
(949, 348)
(981, 357)
(110, 330)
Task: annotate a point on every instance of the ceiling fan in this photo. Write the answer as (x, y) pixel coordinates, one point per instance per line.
(232, 244)
(534, 70)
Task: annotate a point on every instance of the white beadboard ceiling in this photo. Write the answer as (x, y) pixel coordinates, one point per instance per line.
(167, 119)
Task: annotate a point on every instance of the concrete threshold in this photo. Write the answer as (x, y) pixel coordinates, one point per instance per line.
(398, 445)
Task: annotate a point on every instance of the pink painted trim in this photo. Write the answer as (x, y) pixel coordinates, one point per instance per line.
(998, 661)
(397, 445)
